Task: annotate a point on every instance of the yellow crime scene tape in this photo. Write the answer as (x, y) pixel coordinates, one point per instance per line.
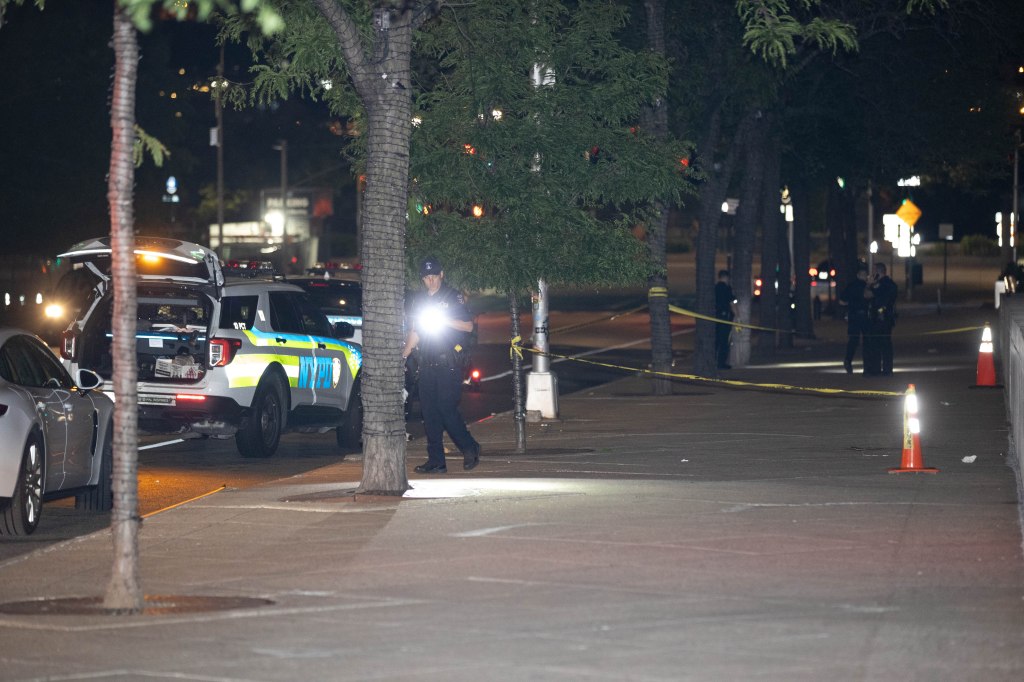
(959, 330)
(518, 349)
(691, 313)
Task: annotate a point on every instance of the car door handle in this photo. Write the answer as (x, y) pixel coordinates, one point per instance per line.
(280, 339)
(321, 346)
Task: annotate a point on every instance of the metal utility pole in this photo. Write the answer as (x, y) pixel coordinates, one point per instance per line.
(282, 146)
(1015, 220)
(518, 413)
(871, 229)
(219, 110)
(541, 382)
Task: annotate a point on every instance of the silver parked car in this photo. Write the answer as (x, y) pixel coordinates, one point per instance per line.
(56, 434)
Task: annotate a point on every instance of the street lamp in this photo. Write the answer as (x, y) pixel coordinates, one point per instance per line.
(282, 146)
(786, 209)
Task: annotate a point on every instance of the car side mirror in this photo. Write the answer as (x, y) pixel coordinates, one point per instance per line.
(87, 380)
(344, 330)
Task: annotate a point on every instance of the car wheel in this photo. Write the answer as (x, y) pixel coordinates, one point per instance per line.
(100, 497)
(20, 515)
(350, 432)
(261, 431)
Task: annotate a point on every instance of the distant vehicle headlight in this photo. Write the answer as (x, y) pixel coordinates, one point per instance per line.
(54, 311)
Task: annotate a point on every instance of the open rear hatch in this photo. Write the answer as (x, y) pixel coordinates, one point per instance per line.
(176, 285)
(156, 259)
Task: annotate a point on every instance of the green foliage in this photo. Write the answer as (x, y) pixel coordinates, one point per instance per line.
(304, 58)
(147, 143)
(774, 33)
(926, 6)
(141, 11)
(234, 204)
(978, 245)
(563, 173)
(775, 29)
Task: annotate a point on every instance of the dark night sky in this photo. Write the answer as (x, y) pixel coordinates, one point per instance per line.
(54, 150)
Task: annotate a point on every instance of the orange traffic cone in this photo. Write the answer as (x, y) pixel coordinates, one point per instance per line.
(913, 461)
(986, 364)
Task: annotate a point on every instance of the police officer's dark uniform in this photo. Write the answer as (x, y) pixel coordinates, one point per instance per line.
(881, 295)
(724, 301)
(856, 316)
(442, 351)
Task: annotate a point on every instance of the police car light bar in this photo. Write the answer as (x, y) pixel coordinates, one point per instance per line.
(250, 269)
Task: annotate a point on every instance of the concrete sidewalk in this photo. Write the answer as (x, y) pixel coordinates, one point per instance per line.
(713, 534)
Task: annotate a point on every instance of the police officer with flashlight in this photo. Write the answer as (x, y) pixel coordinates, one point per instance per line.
(440, 327)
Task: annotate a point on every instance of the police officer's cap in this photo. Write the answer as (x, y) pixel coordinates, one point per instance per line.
(430, 266)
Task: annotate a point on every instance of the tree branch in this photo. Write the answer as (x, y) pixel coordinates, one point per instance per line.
(348, 38)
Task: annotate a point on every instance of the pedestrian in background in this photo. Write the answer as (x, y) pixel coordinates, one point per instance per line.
(440, 328)
(881, 294)
(725, 310)
(856, 315)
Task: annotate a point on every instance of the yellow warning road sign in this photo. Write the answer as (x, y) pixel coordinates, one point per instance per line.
(908, 212)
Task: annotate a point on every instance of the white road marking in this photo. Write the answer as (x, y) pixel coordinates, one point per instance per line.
(161, 444)
(481, 532)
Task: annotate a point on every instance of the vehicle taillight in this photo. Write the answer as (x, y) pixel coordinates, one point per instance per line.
(475, 375)
(222, 351)
(68, 344)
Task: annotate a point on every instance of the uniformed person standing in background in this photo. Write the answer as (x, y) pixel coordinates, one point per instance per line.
(725, 309)
(440, 327)
(856, 316)
(881, 294)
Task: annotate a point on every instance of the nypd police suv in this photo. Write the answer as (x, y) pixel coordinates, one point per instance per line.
(221, 353)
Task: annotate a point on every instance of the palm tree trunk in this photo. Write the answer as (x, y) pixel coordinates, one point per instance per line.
(773, 240)
(381, 75)
(711, 198)
(655, 121)
(124, 592)
(747, 221)
(383, 258)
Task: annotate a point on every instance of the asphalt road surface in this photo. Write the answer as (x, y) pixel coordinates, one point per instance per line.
(173, 471)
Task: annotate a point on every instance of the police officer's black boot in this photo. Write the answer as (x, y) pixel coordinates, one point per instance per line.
(471, 459)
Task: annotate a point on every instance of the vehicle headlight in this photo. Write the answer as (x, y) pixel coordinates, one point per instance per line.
(54, 311)
(432, 321)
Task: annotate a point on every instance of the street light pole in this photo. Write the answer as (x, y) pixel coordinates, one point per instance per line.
(1015, 216)
(871, 229)
(282, 146)
(541, 382)
(219, 110)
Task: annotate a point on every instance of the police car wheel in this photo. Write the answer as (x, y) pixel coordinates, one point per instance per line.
(350, 432)
(261, 433)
